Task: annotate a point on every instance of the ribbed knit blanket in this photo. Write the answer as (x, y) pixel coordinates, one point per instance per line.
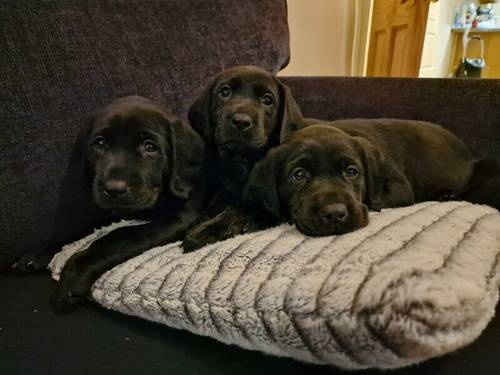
(416, 283)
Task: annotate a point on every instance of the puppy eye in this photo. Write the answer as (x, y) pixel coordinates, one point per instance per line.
(267, 99)
(150, 147)
(225, 91)
(99, 143)
(298, 174)
(351, 172)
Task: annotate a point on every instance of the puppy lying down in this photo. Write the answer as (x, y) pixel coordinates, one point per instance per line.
(325, 178)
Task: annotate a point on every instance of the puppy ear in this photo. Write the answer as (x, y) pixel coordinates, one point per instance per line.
(199, 115)
(291, 118)
(187, 152)
(373, 165)
(385, 184)
(261, 189)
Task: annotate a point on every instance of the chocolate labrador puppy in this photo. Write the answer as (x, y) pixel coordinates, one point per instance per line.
(242, 113)
(325, 178)
(145, 163)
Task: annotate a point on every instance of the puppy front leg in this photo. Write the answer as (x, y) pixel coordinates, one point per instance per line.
(84, 268)
(232, 221)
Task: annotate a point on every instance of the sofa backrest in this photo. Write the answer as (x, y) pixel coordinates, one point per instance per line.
(60, 60)
(469, 108)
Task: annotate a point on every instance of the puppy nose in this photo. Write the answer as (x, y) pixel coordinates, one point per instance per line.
(241, 121)
(333, 213)
(115, 188)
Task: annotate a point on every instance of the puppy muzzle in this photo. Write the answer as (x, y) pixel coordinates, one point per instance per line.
(121, 195)
(239, 130)
(330, 215)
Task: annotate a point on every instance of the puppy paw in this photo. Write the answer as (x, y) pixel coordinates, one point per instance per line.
(191, 243)
(73, 287)
(6, 262)
(33, 262)
(445, 196)
(197, 239)
(243, 226)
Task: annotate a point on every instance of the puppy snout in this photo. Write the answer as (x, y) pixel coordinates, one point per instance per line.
(333, 213)
(115, 187)
(241, 121)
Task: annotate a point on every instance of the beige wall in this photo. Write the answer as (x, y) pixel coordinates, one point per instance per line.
(320, 37)
(325, 39)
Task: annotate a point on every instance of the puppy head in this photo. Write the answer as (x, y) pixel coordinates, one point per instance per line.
(318, 178)
(245, 109)
(137, 150)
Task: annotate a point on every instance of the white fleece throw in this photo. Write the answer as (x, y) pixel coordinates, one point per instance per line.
(416, 283)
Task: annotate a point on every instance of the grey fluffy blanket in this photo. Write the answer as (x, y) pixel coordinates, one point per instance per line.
(418, 282)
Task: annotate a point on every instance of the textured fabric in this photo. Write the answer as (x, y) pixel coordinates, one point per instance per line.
(59, 60)
(468, 108)
(416, 283)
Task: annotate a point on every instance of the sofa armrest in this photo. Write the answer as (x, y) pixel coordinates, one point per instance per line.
(469, 108)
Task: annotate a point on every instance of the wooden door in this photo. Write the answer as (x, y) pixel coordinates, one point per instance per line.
(397, 37)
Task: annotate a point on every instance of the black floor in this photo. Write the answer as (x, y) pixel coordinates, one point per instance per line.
(35, 340)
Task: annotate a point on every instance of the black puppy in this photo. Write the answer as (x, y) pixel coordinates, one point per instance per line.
(146, 164)
(325, 178)
(241, 114)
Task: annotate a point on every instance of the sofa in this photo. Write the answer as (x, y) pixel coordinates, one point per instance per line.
(61, 59)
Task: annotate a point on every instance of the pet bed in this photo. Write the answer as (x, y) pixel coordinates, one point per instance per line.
(416, 283)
